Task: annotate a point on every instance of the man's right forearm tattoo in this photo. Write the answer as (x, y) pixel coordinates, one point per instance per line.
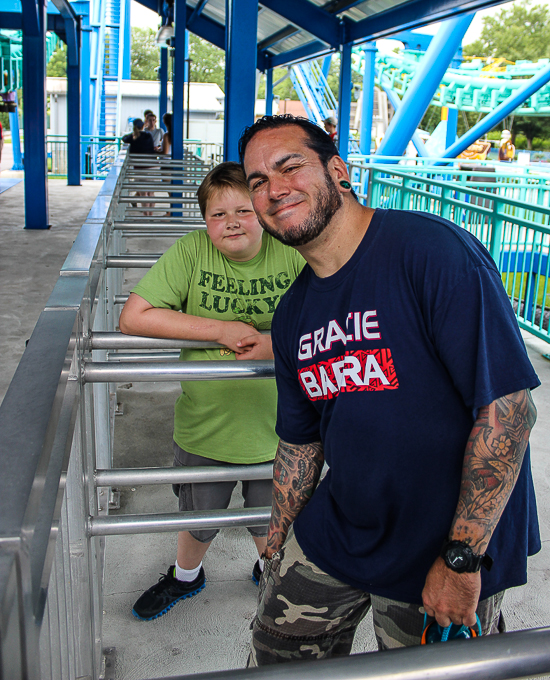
(296, 471)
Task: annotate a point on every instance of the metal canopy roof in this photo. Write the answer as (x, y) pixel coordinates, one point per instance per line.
(297, 30)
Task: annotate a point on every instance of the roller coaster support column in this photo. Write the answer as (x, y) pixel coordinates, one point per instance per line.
(269, 92)
(326, 65)
(452, 125)
(163, 77)
(501, 111)
(16, 137)
(82, 8)
(394, 100)
(241, 19)
(34, 119)
(344, 101)
(127, 44)
(426, 81)
(73, 102)
(178, 78)
(369, 50)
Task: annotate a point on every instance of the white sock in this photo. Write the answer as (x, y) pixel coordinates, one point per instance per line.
(186, 574)
(261, 563)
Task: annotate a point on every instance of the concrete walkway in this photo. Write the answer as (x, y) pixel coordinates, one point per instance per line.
(30, 261)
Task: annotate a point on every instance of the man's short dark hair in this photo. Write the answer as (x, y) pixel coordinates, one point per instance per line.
(317, 139)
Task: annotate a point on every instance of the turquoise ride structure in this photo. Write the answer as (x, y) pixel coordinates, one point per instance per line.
(430, 70)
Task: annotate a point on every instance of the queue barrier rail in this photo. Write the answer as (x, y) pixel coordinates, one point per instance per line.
(57, 477)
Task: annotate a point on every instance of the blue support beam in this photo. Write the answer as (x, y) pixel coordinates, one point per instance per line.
(127, 31)
(207, 29)
(195, 14)
(180, 53)
(240, 72)
(277, 37)
(34, 87)
(325, 68)
(309, 17)
(163, 79)
(269, 92)
(501, 111)
(73, 103)
(411, 15)
(394, 100)
(309, 51)
(452, 126)
(16, 137)
(426, 81)
(344, 101)
(367, 104)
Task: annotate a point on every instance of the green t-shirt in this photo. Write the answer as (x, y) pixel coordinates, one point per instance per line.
(227, 420)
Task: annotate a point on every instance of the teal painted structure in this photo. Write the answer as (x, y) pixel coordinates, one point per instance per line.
(508, 211)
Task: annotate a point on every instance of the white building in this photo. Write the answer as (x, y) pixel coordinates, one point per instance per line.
(205, 111)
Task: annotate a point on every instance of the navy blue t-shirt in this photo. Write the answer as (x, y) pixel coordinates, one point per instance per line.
(386, 362)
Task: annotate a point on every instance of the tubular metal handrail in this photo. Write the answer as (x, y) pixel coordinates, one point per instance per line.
(104, 372)
(118, 525)
(523, 654)
(178, 475)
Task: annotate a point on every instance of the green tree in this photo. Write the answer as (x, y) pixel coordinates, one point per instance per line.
(57, 66)
(207, 62)
(145, 54)
(520, 32)
(531, 127)
(285, 89)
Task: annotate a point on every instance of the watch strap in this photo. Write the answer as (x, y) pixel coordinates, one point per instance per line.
(474, 562)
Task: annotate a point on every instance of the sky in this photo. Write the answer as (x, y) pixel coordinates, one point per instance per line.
(143, 17)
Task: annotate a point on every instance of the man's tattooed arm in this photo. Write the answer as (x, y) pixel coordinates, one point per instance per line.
(296, 471)
(492, 462)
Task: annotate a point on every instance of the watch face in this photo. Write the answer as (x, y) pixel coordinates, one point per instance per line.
(455, 558)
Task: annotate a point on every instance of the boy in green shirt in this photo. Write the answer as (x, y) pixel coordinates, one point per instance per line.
(227, 281)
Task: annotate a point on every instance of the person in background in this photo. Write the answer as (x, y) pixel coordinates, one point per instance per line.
(507, 150)
(330, 127)
(220, 423)
(167, 138)
(153, 130)
(140, 142)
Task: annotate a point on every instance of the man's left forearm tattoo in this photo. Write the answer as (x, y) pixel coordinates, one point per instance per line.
(492, 462)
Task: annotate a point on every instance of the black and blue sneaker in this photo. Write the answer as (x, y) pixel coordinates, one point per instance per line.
(161, 597)
(256, 573)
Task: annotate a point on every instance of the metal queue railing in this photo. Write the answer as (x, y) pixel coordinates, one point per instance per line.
(509, 212)
(56, 454)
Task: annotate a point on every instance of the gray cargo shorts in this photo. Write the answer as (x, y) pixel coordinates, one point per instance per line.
(216, 495)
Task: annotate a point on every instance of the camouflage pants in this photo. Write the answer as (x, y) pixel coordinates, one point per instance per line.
(303, 613)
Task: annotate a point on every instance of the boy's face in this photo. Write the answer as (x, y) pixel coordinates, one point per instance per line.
(232, 225)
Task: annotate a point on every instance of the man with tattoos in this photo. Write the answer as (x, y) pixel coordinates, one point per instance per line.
(399, 362)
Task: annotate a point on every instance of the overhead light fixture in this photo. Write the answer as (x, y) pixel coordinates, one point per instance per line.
(164, 35)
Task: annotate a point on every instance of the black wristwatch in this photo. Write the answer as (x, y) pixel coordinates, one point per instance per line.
(460, 557)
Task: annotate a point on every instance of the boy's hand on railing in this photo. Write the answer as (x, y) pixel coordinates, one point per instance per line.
(255, 346)
(233, 332)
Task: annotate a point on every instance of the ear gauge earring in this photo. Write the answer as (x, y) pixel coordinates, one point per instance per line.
(345, 184)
